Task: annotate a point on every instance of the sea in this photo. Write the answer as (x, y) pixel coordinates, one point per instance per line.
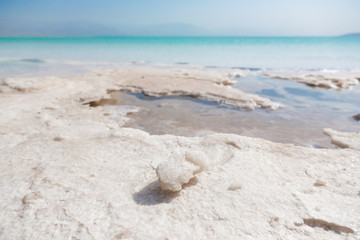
(307, 110)
(18, 55)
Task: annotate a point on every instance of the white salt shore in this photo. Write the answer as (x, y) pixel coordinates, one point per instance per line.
(331, 80)
(72, 171)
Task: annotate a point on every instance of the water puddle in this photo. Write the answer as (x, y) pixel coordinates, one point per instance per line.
(307, 111)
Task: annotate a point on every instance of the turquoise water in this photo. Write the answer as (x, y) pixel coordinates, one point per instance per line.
(39, 54)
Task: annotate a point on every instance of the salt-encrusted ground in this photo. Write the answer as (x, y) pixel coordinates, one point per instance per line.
(71, 171)
(201, 84)
(331, 80)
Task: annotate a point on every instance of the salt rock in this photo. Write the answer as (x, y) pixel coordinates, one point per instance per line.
(356, 117)
(179, 169)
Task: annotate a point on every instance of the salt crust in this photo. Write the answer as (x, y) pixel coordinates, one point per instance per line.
(344, 139)
(330, 80)
(201, 84)
(71, 171)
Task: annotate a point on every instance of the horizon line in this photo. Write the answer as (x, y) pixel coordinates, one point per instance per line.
(174, 36)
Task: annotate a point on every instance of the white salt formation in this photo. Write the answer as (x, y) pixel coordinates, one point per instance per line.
(333, 80)
(174, 173)
(206, 85)
(344, 139)
(179, 169)
(70, 171)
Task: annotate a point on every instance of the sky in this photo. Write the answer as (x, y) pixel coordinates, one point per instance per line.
(179, 17)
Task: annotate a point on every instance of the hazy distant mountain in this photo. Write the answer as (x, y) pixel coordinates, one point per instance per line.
(70, 29)
(172, 29)
(80, 29)
(352, 35)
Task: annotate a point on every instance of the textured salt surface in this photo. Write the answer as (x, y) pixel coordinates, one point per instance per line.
(71, 171)
(344, 139)
(207, 85)
(333, 80)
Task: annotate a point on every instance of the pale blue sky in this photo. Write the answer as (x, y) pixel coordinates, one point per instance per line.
(209, 17)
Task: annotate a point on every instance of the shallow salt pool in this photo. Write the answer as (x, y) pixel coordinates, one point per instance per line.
(305, 113)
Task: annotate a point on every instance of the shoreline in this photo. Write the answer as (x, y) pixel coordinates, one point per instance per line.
(73, 170)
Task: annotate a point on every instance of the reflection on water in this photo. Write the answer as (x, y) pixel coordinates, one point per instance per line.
(270, 93)
(307, 111)
(304, 93)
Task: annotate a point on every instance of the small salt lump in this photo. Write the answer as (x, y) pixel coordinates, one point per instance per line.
(179, 169)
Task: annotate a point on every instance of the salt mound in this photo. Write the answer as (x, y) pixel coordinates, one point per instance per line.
(179, 170)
